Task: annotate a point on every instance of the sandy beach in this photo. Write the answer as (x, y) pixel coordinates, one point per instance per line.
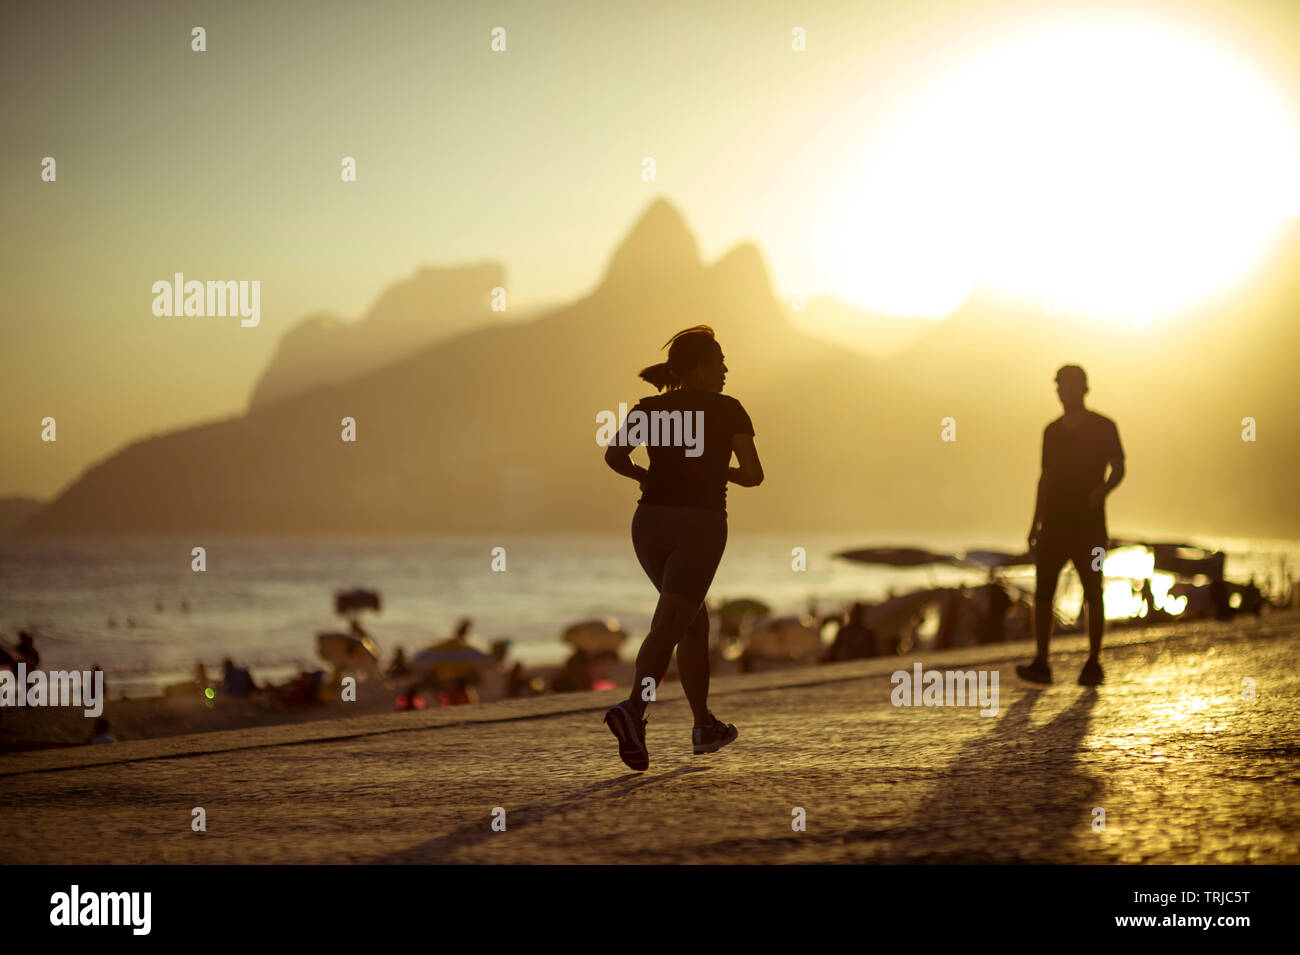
(155, 717)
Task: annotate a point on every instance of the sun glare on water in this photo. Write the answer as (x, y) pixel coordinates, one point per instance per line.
(1117, 171)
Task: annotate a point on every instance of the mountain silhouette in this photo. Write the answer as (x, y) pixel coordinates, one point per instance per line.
(878, 334)
(15, 510)
(494, 428)
(432, 305)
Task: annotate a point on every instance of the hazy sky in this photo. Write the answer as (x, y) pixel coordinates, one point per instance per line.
(226, 164)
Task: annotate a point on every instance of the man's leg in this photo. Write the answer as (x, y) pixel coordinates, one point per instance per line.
(1047, 571)
(1088, 566)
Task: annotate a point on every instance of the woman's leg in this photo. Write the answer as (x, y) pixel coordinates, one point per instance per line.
(651, 544)
(708, 541)
(693, 666)
(680, 552)
(673, 615)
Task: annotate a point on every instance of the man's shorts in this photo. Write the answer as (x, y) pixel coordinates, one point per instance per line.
(1086, 553)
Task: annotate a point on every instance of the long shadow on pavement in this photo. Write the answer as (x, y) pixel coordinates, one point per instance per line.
(1014, 794)
(440, 849)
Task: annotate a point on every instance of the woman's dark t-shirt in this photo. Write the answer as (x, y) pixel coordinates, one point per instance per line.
(688, 463)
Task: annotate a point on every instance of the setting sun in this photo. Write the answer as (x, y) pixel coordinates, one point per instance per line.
(1113, 170)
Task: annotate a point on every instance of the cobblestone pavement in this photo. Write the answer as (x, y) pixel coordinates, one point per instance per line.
(1186, 769)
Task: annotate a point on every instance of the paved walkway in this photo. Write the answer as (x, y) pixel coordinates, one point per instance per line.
(1184, 767)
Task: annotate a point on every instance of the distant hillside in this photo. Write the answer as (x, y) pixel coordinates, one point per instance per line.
(495, 428)
(432, 305)
(873, 333)
(15, 510)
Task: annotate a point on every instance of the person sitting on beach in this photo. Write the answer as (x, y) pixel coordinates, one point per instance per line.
(461, 693)
(854, 640)
(236, 681)
(26, 650)
(100, 733)
(1219, 599)
(1148, 598)
(398, 667)
(1252, 598)
(574, 676)
(903, 636)
(412, 698)
(302, 690)
(518, 683)
(992, 619)
(1019, 620)
(602, 670)
(952, 615)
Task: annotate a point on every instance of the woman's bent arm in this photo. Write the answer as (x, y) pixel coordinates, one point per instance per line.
(750, 472)
(619, 458)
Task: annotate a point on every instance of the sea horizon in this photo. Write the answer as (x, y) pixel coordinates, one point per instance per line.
(262, 600)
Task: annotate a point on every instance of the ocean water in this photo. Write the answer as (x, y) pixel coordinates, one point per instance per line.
(262, 600)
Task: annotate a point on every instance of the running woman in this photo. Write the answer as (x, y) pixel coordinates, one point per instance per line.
(679, 529)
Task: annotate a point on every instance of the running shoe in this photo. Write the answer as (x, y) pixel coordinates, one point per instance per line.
(631, 736)
(1091, 674)
(710, 739)
(1036, 671)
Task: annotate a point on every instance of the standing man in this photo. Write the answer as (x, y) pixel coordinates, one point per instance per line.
(1070, 517)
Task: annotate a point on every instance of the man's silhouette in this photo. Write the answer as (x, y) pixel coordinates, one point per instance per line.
(1070, 517)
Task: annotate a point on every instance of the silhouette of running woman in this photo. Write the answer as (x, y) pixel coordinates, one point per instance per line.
(1070, 517)
(679, 529)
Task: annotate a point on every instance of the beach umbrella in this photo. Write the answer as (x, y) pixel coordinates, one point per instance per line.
(348, 651)
(1154, 544)
(784, 638)
(455, 656)
(896, 556)
(357, 598)
(1178, 561)
(595, 636)
(991, 559)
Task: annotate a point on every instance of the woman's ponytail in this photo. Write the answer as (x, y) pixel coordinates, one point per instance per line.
(660, 375)
(686, 349)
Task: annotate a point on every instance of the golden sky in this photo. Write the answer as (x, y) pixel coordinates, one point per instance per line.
(862, 166)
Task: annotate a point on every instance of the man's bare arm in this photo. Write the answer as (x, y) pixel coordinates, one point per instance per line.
(1036, 523)
(1116, 475)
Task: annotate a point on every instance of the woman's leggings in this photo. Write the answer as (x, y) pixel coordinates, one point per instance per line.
(679, 547)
